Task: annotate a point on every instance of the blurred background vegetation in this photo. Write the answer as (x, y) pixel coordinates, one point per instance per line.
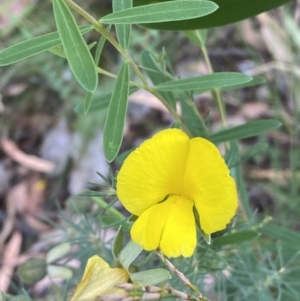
(50, 151)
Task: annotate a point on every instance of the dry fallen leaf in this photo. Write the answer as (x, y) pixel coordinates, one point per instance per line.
(275, 39)
(281, 177)
(254, 110)
(10, 252)
(31, 162)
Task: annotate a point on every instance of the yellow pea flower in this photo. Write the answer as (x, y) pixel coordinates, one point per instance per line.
(164, 179)
(99, 279)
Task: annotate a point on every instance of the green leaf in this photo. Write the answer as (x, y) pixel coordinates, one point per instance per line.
(232, 155)
(77, 52)
(229, 11)
(198, 37)
(235, 238)
(161, 12)
(100, 103)
(130, 252)
(205, 82)
(156, 75)
(249, 129)
(58, 252)
(3, 296)
(150, 277)
(284, 234)
(116, 115)
(100, 47)
(59, 51)
(88, 101)
(191, 116)
(244, 201)
(55, 271)
(249, 153)
(123, 30)
(33, 46)
(118, 242)
(89, 96)
(257, 80)
(121, 157)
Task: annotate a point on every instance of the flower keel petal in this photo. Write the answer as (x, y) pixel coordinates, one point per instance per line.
(148, 228)
(179, 235)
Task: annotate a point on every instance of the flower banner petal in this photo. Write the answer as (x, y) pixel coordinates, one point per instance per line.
(208, 183)
(179, 235)
(153, 171)
(99, 279)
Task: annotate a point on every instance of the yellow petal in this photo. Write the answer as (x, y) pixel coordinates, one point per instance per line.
(179, 235)
(153, 171)
(169, 225)
(208, 183)
(98, 280)
(148, 228)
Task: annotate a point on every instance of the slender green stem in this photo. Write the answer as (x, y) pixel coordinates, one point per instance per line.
(216, 92)
(111, 210)
(183, 278)
(109, 74)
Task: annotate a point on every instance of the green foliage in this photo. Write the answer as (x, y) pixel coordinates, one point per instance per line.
(116, 115)
(123, 30)
(229, 11)
(150, 277)
(118, 243)
(89, 96)
(204, 83)
(157, 75)
(99, 103)
(253, 258)
(235, 238)
(250, 129)
(130, 252)
(33, 46)
(161, 12)
(191, 116)
(77, 52)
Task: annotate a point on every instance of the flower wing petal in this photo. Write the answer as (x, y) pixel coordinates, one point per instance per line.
(179, 235)
(208, 183)
(99, 279)
(153, 171)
